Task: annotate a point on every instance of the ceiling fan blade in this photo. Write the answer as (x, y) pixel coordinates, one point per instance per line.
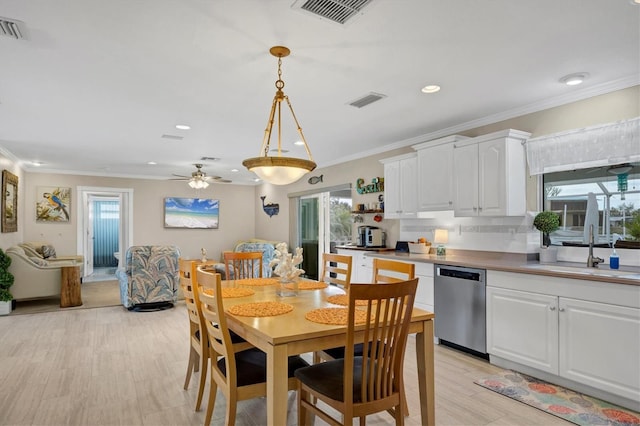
(181, 176)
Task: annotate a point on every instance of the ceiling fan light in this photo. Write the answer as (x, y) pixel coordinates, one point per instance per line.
(196, 183)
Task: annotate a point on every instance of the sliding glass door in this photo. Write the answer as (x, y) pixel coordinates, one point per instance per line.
(324, 221)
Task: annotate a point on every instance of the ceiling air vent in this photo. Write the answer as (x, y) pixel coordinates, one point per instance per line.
(209, 159)
(172, 137)
(12, 28)
(337, 11)
(367, 99)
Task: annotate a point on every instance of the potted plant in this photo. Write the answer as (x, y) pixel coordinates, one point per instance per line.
(6, 281)
(547, 222)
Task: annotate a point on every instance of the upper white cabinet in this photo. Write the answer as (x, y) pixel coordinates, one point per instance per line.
(400, 183)
(435, 173)
(489, 176)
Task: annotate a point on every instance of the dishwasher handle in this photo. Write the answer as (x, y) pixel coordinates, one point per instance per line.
(460, 273)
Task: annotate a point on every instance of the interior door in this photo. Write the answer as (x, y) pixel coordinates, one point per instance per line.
(85, 231)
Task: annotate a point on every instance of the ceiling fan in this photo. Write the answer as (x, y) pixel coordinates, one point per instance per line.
(199, 179)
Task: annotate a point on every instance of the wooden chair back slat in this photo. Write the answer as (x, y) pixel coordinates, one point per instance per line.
(240, 265)
(392, 271)
(389, 307)
(336, 269)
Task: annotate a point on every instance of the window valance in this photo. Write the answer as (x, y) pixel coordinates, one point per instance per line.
(595, 146)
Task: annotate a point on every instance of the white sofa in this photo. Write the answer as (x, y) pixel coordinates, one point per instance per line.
(35, 277)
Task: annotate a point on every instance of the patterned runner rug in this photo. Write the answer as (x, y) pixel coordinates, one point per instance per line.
(564, 403)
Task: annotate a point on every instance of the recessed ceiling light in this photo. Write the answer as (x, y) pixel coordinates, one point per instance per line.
(431, 88)
(234, 170)
(574, 79)
(298, 143)
(256, 180)
(183, 127)
(37, 163)
(151, 163)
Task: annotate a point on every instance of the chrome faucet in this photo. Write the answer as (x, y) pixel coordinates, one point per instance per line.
(592, 261)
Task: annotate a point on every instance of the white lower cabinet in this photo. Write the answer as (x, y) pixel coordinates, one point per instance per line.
(424, 293)
(361, 268)
(588, 342)
(599, 346)
(523, 327)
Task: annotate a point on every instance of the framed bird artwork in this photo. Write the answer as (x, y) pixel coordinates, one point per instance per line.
(9, 202)
(53, 204)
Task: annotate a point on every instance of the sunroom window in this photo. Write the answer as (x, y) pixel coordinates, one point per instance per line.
(607, 197)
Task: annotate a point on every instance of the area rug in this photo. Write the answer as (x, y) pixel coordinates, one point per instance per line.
(561, 402)
(94, 295)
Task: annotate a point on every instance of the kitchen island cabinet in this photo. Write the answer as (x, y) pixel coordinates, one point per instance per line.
(582, 334)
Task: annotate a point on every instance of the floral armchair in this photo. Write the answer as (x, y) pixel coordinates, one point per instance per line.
(149, 279)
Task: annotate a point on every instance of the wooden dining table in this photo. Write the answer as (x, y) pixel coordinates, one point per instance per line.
(292, 334)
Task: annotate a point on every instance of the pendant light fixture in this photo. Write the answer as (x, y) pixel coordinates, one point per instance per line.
(279, 170)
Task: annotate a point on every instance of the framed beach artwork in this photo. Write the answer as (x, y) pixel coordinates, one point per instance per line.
(9, 202)
(193, 213)
(53, 204)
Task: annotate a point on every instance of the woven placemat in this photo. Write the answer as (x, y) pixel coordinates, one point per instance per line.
(260, 309)
(229, 293)
(307, 285)
(343, 299)
(334, 316)
(257, 281)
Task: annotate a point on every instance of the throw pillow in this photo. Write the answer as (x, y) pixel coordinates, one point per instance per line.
(48, 251)
(39, 261)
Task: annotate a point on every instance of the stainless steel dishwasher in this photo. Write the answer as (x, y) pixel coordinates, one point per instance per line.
(460, 296)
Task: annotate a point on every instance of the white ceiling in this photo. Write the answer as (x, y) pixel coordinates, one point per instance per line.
(96, 83)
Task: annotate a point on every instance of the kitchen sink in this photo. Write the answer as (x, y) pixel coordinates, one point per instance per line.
(584, 270)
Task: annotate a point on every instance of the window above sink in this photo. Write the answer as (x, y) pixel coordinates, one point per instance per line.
(617, 199)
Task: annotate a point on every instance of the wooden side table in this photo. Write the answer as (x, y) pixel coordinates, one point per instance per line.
(70, 292)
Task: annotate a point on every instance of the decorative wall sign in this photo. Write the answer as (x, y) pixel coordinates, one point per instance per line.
(315, 179)
(271, 208)
(53, 204)
(193, 213)
(9, 202)
(376, 185)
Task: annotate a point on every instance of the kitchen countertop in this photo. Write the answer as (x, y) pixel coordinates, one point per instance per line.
(373, 249)
(519, 263)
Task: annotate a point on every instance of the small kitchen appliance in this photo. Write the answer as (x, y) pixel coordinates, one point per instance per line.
(371, 237)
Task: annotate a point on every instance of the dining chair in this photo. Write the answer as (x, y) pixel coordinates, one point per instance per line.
(336, 269)
(360, 385)
(239, 375)
(384, 271)
(392, 271)
(198, 336)
(240, 265)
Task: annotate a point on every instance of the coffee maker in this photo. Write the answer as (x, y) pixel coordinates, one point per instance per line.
(370, 236)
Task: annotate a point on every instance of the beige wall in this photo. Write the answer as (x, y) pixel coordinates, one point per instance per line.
(619, 105)
(237, 206)
(241, 214)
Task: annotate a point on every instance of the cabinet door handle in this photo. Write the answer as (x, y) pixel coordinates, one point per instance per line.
(475, 208)
(561, 309)
(480, 209)
(552, 308)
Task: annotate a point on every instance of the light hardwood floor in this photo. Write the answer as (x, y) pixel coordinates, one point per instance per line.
(108, 366)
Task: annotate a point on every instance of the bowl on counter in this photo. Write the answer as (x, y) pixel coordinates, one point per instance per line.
(419, 248)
